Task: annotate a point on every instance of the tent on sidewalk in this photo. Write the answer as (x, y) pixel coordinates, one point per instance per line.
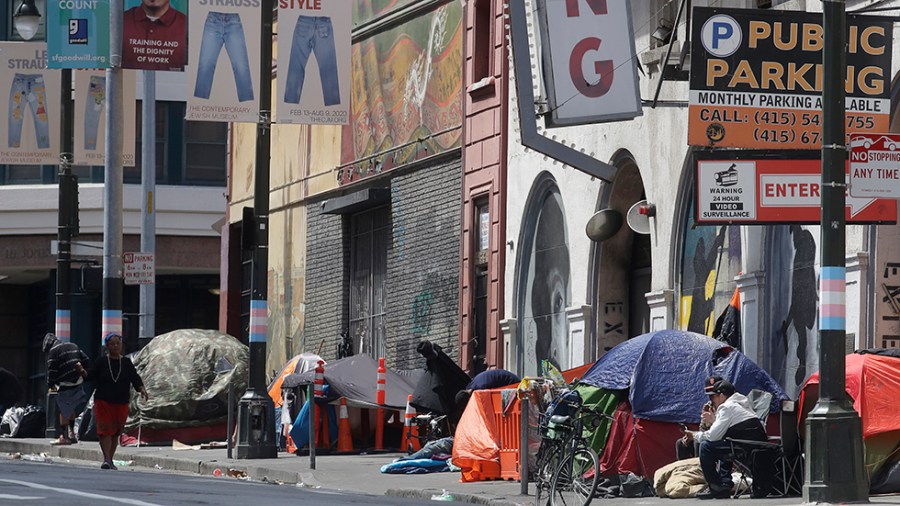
(873, 382)
(661, 375)
(188, 399)
(298, 364)
(648, 384)
(355, 379)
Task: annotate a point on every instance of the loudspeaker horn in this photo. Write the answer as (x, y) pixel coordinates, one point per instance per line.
(603, 224)
(638, 216)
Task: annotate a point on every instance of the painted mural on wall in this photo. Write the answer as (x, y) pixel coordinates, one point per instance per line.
(406, 91)
(710, 261)
(791, 256)
(367, 10)
(542, 308)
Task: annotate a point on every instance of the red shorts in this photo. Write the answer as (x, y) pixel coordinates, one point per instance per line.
(110, 417)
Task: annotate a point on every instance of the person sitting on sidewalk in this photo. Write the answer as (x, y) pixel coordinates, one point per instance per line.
(62, 375)
(731, 417)
(485, 380)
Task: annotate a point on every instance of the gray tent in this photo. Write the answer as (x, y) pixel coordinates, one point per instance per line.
(355, 378)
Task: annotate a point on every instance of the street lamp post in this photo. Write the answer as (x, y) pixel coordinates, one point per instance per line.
(26, 19)
(834, 469)
(256, 412)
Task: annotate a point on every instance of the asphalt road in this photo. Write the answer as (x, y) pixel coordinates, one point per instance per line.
(23, 483)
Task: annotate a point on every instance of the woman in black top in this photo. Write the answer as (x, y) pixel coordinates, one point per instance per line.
(114, 375)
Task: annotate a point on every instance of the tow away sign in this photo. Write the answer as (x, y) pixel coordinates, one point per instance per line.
(753, 187)
(139, 268)
(875, 165)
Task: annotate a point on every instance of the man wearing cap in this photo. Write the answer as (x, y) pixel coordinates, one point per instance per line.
(731, 416)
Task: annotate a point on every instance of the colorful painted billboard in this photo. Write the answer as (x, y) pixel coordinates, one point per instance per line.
(405, 94)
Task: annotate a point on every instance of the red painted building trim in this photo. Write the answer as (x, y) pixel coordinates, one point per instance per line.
(485, 131)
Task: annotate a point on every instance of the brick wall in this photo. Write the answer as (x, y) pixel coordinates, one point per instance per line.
(423, 264)
(327, 275)
(422, 283)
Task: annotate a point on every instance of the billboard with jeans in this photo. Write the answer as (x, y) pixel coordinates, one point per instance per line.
(90, 117)
(224, 53)
(31, 111)
(315, 52)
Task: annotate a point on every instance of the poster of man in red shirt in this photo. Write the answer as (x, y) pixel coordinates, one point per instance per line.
(155, 35)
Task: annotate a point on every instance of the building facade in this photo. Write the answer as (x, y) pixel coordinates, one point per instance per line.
(568, 299)
(364, 220)
(191, 167)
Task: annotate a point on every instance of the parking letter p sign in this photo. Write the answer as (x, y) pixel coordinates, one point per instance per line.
(721, 35)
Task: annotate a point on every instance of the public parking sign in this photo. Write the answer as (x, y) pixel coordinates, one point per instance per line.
(875, 165)
(757, 76)
(139, 268)
(758, 187)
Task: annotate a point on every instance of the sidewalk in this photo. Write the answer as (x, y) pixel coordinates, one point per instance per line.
(349, 473)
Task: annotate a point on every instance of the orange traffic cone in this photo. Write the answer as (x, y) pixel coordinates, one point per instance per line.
(345, 439)
(410, 433)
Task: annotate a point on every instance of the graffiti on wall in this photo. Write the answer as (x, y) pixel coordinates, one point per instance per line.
(436, 294)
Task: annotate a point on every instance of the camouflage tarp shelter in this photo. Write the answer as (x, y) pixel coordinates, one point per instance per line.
(179, 371)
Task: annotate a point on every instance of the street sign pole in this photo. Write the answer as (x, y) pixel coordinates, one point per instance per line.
(834, 469)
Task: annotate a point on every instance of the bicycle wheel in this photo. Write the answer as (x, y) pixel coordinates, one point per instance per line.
(575, 480)
(547, 462)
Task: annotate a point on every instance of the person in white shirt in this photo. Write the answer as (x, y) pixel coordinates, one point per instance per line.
(731, 417)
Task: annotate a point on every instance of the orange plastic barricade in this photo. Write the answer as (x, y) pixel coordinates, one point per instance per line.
(506, 421)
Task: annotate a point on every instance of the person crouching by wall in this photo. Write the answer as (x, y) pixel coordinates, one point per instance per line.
(114, 375)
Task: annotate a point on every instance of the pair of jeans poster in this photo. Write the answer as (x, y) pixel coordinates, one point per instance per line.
(29, 105)
(89, 106)
(223, 77)
(314, 62)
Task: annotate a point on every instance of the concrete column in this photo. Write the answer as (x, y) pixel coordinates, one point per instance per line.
(662, 309)
(752, 288)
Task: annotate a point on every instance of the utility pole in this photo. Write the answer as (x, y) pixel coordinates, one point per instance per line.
(68, 213)
(147, 318)
(256, 412)
(834, 468)
(112, 188)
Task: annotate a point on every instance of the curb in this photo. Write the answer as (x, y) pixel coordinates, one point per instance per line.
(426, 495)
(208, 468)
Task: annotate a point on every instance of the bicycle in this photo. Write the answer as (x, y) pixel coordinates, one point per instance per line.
(576, 477)
(430, 427)
(553, 438)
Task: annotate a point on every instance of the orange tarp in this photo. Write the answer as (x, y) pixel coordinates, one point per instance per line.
(873, 381)
(476, 447)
